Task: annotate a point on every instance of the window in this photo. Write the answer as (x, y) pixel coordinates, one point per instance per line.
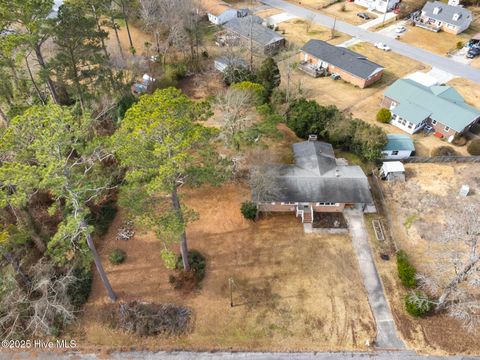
(289, 203)
(447, 128)
(395, 152)
(434, 122)
(410, 125)
(326, 204)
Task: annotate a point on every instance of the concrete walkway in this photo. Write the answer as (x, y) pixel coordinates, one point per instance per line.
(399, 47)
(378, 21)
(387, 336)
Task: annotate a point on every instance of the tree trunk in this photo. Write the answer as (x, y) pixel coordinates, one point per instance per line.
(183, 236)
(41, 62)
(126, 24)
(33, 81)
(98, 262)
(114, 26)
(3, 117)
(443, 298)
(24, 279)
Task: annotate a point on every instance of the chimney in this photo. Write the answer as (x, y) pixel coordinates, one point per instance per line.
(436, 10)
(337, 173)
(312, 137)
(456, 16)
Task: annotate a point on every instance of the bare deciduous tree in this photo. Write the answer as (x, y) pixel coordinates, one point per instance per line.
(309, 21)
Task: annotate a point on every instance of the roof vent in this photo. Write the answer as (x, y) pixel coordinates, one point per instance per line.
(456, 16)
(337, 173)
(312, 137)
(436, 10)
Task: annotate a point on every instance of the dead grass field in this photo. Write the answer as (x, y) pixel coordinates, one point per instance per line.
(295, 31)
(347, 11)
(292, 291)
(243, 4)
(313, 4)
(413, 228)
(269, 12)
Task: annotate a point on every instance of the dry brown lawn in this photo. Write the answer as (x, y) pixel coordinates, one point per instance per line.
(347, 11)
(292, 291)
(269, 12)
(414, 225)
(295, 31)
(243, 4)
(314, 4)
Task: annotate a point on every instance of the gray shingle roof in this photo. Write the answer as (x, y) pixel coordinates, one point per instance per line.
(260, 34)
(348, 60)
(316, 177)
(447, 12)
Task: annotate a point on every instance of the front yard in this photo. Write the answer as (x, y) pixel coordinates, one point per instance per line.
(418, 209)
(292, 291)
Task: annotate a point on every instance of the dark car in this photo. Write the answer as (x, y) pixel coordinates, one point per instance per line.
(363, 16)
(473, 52)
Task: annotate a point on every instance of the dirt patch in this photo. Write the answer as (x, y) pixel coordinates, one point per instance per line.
(333, 220)
(295, 31)
(291, 291)
(418, 208)
(347, 11)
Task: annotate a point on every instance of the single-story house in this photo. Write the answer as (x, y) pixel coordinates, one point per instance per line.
(399, 146)
(414, 105)
(316, 182)
(222, 62)
(392, 171)
(378, 5)
(438, 16)
(219, 12)
(351, 66)
(264, 40)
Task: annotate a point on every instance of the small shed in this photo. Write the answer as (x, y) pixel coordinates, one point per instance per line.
(392, 171)
(221, 63)
(399, 146)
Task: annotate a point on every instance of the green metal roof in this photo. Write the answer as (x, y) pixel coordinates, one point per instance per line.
(443, 103)
(397, 142)
(411, 112)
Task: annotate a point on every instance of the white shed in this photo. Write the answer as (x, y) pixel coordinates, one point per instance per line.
(392, 170)
(219, 12)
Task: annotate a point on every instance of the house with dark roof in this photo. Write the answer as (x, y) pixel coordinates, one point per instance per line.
(352, 67)
(264, 40)
(414, 105)
(436, 16)
(316, 182)
(399, 146)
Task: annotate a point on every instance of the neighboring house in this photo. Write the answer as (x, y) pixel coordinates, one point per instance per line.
(399, 146)
(264, 40)
(414, 105)
(351, 66)
(436, 16)
(316, 182)
(221, 63)
(379, 5)
(219, 12)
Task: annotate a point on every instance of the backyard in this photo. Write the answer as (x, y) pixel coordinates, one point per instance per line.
(418, 210)
(292, 291)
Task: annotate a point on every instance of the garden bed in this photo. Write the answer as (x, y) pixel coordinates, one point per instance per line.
(329, 220)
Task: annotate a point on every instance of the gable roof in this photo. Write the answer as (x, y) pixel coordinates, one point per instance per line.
(317, 177)
(348, 60)
(216, 7)
(447, 12)
(442, 103)
(252, 25)
(399, 142)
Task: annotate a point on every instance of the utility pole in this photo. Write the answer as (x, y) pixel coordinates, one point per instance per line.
(333, 28)
(230, 286)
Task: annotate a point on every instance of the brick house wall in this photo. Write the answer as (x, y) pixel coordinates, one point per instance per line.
(352, 79)
(440, 128)
(386, 102)
(278, 207)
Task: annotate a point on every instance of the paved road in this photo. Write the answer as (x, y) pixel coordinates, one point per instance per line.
(399, 47)
(387, 336)
(404, 355)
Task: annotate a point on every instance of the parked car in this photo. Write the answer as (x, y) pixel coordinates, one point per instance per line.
(473, 52)
(335, 76)
(382, 46)
(427, 129)
(363, 16)
(400, 29)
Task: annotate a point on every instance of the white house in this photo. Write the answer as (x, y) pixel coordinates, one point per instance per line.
(438, 16)
(222, 62)
(379, 5)
(399, 146)
(219, 12)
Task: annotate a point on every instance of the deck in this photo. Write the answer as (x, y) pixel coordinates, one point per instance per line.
(311, 70)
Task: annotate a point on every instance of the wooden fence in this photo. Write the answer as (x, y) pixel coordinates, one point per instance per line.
(441, 159)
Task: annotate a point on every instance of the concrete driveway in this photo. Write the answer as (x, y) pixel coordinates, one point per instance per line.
(387, 336)
(399, 47)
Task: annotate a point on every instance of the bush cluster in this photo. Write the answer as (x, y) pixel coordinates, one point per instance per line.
(117, 256)
(79, 290)
(418, 304)
(103, 217)
(406, 271)
(192, 279)
(249, 210)
(444, 151)
(384, 116)
(307, 117)
(474, 147)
